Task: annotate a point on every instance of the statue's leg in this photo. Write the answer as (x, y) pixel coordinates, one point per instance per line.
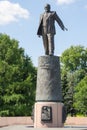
(51, 43)
(45, 44)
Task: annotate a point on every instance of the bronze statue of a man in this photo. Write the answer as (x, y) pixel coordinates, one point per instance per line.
(47, 29)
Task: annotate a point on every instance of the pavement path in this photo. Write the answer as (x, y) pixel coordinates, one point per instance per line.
(25, 127)
(16, 127)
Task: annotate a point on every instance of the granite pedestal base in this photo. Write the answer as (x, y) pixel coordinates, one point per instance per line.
(56, 117)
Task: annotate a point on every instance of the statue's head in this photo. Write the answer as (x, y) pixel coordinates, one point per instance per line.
(47, 7)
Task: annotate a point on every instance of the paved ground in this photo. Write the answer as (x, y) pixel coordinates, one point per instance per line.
(24, 127)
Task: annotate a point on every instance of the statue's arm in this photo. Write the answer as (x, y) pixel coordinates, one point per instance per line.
(59, 21)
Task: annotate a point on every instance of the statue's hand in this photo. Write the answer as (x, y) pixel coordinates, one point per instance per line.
(65, 29)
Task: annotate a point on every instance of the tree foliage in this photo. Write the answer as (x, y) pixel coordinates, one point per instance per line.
(80, 97)
(17, 79)
(75, 58)
(74, 69)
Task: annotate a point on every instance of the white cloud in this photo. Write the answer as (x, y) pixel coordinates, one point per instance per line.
(65, 1)
(11, 12)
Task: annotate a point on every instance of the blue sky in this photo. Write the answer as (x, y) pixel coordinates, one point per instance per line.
(20, 19)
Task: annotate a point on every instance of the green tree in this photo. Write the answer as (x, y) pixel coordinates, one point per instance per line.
(64, 83)
(17, 79)
(80, 97)
(74, 58)
(74, 63)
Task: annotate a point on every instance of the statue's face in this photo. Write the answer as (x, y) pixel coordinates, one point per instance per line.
(47, 8)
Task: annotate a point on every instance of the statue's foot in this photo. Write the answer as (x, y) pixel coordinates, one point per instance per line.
(51, 54)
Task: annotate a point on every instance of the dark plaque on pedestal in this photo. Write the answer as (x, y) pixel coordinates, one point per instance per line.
(46, 114)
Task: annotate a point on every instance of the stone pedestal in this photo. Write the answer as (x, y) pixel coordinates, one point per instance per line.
(56, 115)
(48, 79)
(48, 110)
